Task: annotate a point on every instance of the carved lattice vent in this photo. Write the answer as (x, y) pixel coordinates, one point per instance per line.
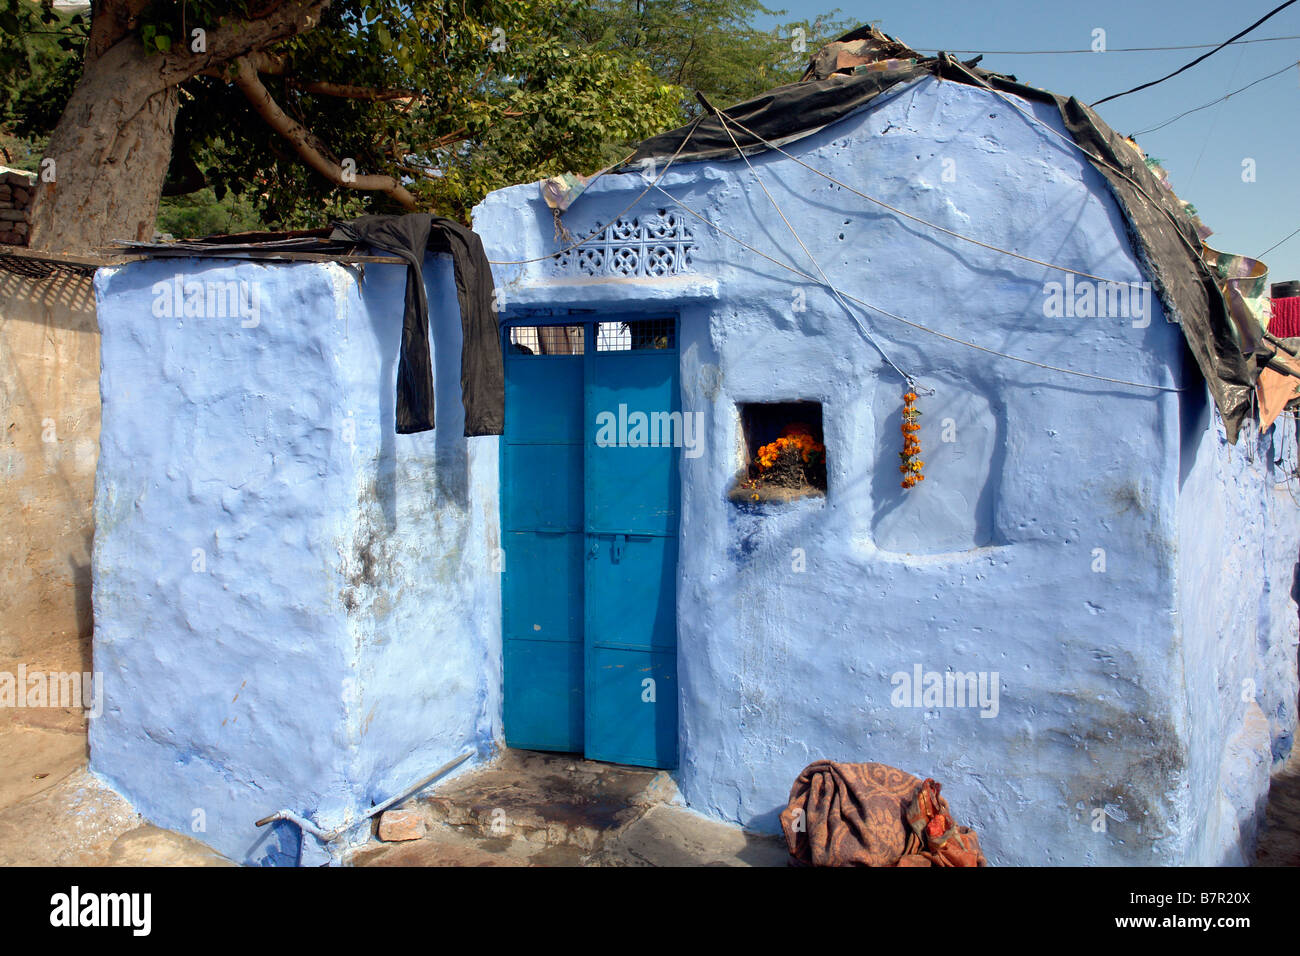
(639, 247)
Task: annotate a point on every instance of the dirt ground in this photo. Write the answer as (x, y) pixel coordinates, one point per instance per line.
(53, 812)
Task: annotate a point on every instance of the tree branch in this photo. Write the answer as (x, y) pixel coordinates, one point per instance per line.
(233, 39)
(449, 138)
(301, 139)
(349, 92)
(273, 64)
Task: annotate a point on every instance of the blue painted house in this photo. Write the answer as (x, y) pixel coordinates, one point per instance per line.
(1082, 622)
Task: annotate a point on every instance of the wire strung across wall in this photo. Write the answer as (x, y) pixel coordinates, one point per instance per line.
(601, 229)
(1194, 250)
(840, 294)
(907, 376)
(971, 239)
(924, 222)
(909, 322)
(880, 202)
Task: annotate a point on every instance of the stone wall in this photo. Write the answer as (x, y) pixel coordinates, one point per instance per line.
(16, 188)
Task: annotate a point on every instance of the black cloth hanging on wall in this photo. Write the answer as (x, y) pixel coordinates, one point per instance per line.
(482, 376)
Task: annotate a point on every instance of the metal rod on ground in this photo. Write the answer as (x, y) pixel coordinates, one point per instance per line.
(410, 791)
(302, 822)
(328, 836)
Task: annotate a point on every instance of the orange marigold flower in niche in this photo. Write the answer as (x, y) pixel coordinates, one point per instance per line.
(795, 436)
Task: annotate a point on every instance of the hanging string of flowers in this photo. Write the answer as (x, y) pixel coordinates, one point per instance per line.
(911, 464)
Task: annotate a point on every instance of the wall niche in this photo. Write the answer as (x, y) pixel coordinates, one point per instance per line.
(782, 451)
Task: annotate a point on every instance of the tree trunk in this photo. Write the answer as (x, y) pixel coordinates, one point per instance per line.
(110, 154)
(113, 143)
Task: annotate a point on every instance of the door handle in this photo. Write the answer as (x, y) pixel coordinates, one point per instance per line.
(595, 547)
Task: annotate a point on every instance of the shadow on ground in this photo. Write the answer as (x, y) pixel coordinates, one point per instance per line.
(1279, 843)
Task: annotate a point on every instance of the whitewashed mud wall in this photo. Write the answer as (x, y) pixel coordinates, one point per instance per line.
(295, 606)
(1051, 550)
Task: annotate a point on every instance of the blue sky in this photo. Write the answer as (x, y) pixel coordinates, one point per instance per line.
(1203, 152)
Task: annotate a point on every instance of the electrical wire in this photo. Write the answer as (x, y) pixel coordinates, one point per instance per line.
(1118, 49)
(894, 209)
(918, 219)
(1221, 99)
(907, 377)
(1187, 66)
(908, 322)
(1194, 250)
(1276, 244)
(840, 294)
(1214, 122)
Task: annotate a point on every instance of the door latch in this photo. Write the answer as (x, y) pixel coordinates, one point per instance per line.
(620, 541)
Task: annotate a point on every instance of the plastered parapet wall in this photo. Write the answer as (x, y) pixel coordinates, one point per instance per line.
(295, 606)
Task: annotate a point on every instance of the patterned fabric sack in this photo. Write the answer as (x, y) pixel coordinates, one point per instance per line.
(958, 846)
(871, 814)
(848, 814)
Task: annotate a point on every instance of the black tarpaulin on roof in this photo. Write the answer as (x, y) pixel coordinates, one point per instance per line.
(1163, 235)
(778, 115)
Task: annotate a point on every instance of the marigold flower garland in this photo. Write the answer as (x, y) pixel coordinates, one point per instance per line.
(911, 465)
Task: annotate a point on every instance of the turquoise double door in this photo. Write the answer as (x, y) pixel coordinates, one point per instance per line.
(590, 503)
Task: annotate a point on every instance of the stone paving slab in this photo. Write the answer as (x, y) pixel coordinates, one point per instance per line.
(552, 799)
(675, 836)
(534, 809)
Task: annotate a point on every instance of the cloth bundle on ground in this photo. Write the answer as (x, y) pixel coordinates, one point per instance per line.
(871, 814)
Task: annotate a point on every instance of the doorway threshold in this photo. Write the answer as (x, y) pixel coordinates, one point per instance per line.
(529, 808)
